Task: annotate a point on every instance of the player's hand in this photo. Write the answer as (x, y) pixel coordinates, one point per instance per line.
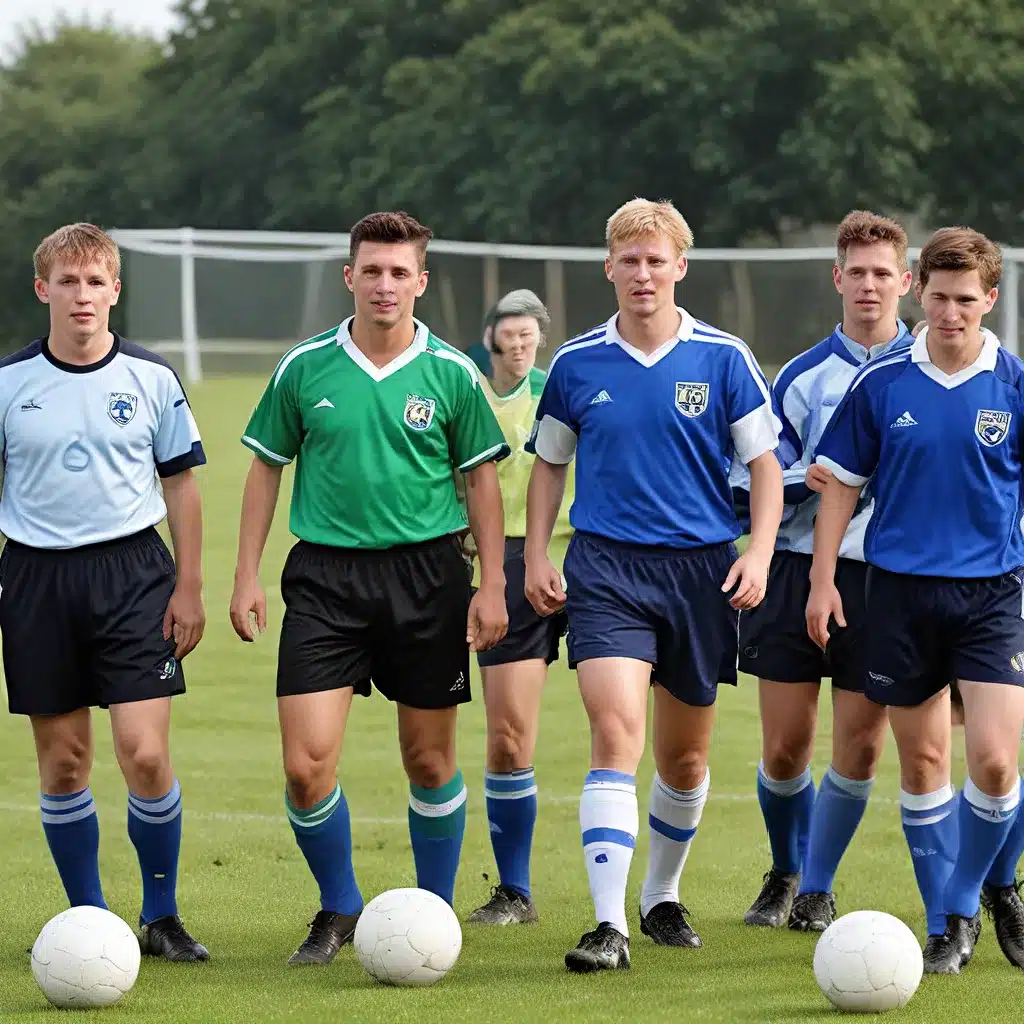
(545, 587)
(247, 602)
(487, 622)
(823, 604)
(185, 619)
(818, 477)
(749, 575)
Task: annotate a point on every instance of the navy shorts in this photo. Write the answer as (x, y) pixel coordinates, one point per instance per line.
(924, 631)
(529, 635)
(660, 605)
(774, 644)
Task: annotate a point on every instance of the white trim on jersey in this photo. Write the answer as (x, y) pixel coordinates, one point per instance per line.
(554, 442)
(648, 359)
(844, 476)
(596, 337)
(467, 364)
(253, 443)
(288, 357)
(986, 361)
(897, 357)
(379, 373)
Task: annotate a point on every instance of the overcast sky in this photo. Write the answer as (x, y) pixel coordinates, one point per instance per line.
(152, 15)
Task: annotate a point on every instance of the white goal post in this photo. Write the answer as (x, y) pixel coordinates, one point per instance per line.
(196, 294)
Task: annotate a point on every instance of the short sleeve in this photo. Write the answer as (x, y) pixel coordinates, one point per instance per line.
(274, 431)
(474, 434)
(177, 445)
(555, 431)
(753, 424)
(851, 442)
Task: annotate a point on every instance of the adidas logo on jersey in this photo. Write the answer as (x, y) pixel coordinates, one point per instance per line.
(600, 398)
(906, 420)
(324, 403)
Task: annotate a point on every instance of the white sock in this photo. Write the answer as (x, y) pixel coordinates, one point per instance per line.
(609, 821)
(673, 816)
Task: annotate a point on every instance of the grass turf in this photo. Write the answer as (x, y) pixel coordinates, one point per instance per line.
(244, 889)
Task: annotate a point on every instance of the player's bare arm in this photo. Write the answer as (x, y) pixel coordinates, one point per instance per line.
(259, 499)
(544, 588)
(838, 502)
(749, 573)
(185, 618)
(488, 617)
(818, 477)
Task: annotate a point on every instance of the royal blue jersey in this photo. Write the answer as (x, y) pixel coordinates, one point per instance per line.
(943, 454)
(654, 435)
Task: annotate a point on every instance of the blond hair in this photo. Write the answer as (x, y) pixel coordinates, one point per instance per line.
(961, 249)
(641, 218)
(77, 245)
(861, 227)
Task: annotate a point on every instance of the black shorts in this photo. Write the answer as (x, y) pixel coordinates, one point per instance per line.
(395, 617)
(924, 631)
(84, 627)
(529, 635)
(774, 644)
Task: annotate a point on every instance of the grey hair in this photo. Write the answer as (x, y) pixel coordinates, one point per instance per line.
(523, 302)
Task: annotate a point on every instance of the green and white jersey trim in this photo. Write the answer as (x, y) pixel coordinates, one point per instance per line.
(482, 457)
(253, 443)
(311, 345)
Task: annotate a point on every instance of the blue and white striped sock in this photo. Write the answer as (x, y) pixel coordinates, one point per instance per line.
(609, 821)
(673, 815)
(73, 834)
(511, 799)
(154, 827)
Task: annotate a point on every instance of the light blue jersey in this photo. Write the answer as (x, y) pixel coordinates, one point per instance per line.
(83, 445)
(807, 390)
(943, 455)
(654, 435)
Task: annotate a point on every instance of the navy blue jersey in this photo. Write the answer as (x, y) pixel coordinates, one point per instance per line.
(654, 435)
(943, 454)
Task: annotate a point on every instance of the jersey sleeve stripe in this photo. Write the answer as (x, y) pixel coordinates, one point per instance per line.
(498, 451)
(192, 458)
(308, 346)
(844, 476)
(456, 357)
(251, 442)
(897, 357)
(702, 333)
(574, 346)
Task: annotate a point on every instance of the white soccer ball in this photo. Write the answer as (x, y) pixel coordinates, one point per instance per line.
(407, 937)
(85, 958)
(867, 962)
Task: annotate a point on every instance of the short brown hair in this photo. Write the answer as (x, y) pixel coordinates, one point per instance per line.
(77, 244)
(640, 218)
(391, 227)
(960, 249)
(862, 227)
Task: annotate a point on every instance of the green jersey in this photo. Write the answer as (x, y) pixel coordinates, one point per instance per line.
(375, 446)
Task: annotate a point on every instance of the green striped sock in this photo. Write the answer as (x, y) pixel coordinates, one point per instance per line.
(317, 814)
(437, 822)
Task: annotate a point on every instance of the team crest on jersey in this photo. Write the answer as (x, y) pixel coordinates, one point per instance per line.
(121, 407)
(691, 399)
(992, 426)
(1017, 662)
(419, 412)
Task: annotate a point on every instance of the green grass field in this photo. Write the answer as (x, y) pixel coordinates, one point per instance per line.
(244, 889)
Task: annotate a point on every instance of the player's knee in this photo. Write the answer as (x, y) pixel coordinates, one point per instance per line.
(64, 768)
(924, 769)
(856, 753)
(308, 777)
(428, 768)
(616, 737)
(786, 756)
(146, 764)
(506, 748)
(683, 770)
(993, 771)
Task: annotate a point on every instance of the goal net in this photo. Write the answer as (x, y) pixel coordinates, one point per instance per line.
(223, 302)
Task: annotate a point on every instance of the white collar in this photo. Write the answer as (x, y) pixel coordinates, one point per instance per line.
(684, 333)
(986, 361)
(379, 373)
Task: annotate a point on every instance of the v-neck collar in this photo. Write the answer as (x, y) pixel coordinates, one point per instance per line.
(986, 360)
(379, 373)
(684, 333)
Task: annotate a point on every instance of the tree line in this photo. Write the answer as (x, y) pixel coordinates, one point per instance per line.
(518, 123)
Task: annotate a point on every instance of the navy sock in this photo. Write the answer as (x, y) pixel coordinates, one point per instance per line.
(324, 835)
(437, 822)
(511, 799)
(154, 827)
(786, 806)
(73, 834)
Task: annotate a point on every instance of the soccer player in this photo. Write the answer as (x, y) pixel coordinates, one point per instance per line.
(93, 609)
(515, 670)
(654, 404)
(937, 429)
(808, 836)
(378, 413)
